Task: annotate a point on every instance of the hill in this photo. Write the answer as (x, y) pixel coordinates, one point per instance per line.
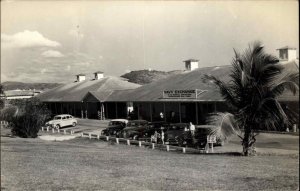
(9, 85)
(147, 76)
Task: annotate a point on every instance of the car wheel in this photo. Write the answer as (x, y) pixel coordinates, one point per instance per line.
(57, 127)
(73, 124)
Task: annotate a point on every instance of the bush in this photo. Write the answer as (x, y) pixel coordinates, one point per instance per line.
(29, 118)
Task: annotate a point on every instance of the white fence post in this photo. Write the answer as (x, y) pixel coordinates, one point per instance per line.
(153, 146)
(140, 144)
(47, 128)
(168, 148)
(212, 147)
(107, 138)
(72, 132)
(90, 135)
(117, 140)
(98, 136)
(52, 130)
(58, 130)
(128, 142)
(81, 134)
(183, 150)
(42, 128)
(65, 132)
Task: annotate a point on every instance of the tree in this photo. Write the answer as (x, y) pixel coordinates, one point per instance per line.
(31, 114)
(2, 97)
(256, 81)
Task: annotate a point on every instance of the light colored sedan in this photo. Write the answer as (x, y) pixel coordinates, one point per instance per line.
(63, 120)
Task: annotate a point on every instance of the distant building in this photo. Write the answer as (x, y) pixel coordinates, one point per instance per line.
(19, 94)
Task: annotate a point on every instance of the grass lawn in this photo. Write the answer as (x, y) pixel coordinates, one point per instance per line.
(83, 164)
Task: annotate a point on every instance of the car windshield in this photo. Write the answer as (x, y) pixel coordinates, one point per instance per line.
(116, 123)
(57, 117)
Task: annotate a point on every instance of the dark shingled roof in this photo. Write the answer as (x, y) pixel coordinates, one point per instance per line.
(191, 80)
(76, 91)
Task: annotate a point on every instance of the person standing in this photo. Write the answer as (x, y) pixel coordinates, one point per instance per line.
(192, 129)
(163, 137)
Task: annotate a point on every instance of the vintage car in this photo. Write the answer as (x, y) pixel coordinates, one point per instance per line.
(175, 133)
(134, 129)
(178, 136)
(62, 120)
(157, 126)
(114, 127)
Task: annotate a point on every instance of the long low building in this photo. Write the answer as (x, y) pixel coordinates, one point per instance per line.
(69, 98)
(184, 97)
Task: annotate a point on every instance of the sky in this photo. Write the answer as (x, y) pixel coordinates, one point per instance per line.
(52, 41)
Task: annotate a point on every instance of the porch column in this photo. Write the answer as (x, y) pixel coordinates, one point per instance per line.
(179, 107)
(55, 107)
(150, 111)
(81, 109)
(86, 109)
(165, 112)
(116, 110)
(197, 121)
(138, 111)
(215, 106)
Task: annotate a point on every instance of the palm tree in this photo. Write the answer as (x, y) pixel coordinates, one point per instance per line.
(256, 81)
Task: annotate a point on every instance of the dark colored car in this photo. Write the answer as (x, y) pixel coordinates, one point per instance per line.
(175, 133)
(134, 129)
(114, 127)
(157, 126)
(178, 136)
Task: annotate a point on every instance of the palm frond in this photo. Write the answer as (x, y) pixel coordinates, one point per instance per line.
(225, 90)
(225, 125)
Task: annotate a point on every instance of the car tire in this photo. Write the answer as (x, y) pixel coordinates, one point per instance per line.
(57, 127)
(73, 124)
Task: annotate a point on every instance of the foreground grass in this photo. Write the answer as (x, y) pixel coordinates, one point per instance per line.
(82, 164)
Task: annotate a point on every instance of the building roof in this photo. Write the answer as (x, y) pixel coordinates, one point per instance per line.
(190, 81)
(98, 72)
(191, 60)
(287, 47)
(80, 75)
(76, 91)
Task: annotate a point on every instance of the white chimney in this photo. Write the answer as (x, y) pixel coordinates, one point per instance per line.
(80, 77)
(287, 53)
(98, 75)
(191, 64)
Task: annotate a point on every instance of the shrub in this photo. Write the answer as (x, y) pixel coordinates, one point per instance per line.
(31, 115)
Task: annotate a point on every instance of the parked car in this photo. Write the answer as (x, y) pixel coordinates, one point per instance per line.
(157, 126)
(114, 127)
(175, 133)
(62, 120)
(134, 129)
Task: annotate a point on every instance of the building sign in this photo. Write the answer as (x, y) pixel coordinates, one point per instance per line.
(186, 94)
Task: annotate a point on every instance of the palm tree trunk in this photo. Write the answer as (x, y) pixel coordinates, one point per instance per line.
(248, 142)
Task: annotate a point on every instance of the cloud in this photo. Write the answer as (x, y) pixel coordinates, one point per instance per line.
(52, 54)
(75, 33)
(26, 39)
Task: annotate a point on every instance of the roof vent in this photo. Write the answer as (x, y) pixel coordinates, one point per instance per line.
(80, 77)
(191, 64)
(287, 53)
(98, 75)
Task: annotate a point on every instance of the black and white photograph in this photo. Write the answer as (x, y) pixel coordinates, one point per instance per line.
(149, 95)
